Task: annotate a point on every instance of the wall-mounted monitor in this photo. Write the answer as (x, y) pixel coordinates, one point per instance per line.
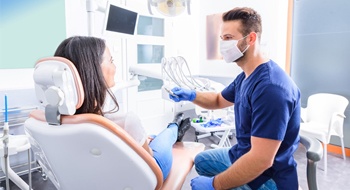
(120, 20)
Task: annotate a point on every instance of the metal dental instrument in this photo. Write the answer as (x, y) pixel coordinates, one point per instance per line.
(171, 92)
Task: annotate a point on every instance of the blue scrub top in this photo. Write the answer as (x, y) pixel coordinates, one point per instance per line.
(267, 105)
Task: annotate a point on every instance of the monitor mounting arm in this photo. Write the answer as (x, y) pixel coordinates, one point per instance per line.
(91, 8)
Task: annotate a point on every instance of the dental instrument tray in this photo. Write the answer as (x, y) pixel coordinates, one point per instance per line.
(16, 115)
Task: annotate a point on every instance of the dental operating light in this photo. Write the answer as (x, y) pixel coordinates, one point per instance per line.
(169, 8)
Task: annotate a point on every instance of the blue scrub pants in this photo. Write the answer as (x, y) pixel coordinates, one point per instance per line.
(212, 162)
(162, 146)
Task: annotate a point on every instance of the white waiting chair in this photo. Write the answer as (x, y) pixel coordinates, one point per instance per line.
(324, 117)
(88, 151)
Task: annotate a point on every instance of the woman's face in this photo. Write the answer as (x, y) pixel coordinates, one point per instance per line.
(108, 68)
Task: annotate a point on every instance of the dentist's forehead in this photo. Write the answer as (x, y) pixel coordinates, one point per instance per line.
(232, 28)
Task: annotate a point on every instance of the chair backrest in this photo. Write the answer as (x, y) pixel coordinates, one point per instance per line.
(322, 106)
(84, 151)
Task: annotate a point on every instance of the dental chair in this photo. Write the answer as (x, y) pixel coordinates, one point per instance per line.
(88, 151)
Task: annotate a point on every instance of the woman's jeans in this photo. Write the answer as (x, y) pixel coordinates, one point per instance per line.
(212, 162)
(162, 146)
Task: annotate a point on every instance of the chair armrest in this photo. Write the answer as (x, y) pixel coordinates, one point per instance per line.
(339, 115)
(313, 147)
(336, 124)
(314, 154)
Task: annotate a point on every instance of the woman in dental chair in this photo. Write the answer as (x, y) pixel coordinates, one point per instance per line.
(94, 63)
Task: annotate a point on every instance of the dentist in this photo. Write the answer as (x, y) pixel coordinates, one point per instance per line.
(267, 115)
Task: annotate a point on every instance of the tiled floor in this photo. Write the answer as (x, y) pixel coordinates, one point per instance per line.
(337, 176)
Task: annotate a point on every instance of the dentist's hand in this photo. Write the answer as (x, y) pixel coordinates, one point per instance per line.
(183, 94)
(202, 183)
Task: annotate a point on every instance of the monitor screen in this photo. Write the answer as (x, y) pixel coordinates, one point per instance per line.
(120, 20)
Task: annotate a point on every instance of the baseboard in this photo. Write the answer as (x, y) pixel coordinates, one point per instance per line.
(337, 150)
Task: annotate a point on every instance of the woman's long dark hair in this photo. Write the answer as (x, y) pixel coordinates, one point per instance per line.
(86, 53)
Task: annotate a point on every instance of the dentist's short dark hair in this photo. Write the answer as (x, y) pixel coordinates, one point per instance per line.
(250, 19)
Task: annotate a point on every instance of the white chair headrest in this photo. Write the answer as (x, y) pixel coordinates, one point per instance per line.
(58, 87)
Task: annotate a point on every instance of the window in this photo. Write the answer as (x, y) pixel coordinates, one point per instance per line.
(150, 48)
(149, 83)
(149, 53)
(150, 26)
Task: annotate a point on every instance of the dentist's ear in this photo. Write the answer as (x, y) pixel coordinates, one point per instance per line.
(253, 37)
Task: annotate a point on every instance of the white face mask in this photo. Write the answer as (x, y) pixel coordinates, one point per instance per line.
(230, 51)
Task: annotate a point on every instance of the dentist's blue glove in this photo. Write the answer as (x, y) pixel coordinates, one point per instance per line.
(182, 94)
(202, 183)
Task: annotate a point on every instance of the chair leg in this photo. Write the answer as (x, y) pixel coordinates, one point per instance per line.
(342, 147)
(325, 157)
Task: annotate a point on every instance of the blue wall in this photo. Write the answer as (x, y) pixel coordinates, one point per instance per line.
(29, 30)
(321, 51)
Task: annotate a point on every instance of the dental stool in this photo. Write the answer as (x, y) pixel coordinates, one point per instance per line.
(17, 143)
(88, 151)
